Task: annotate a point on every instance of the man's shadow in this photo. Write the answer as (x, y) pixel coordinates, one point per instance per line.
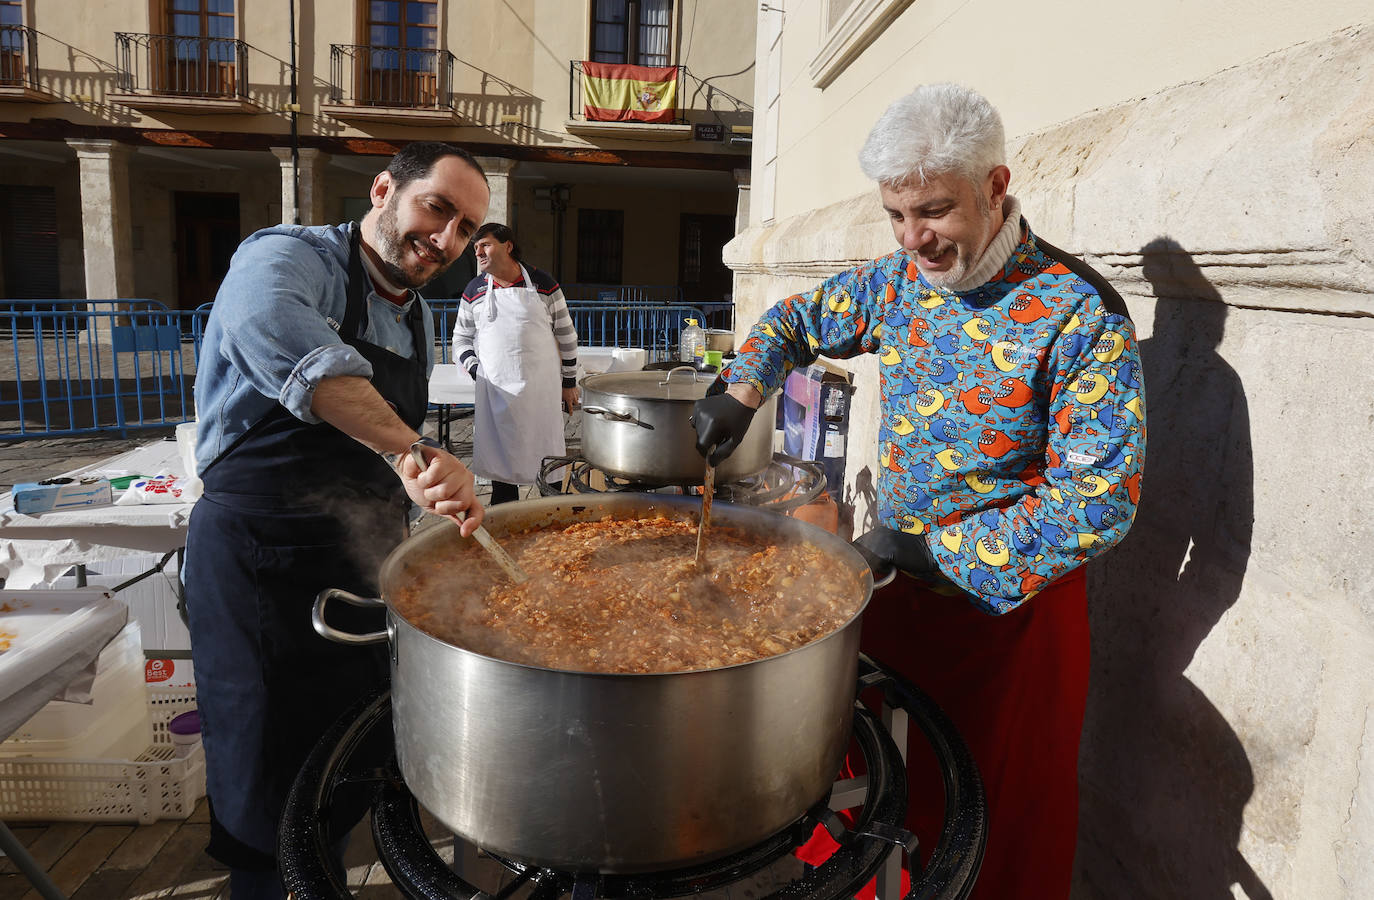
(1164, 778)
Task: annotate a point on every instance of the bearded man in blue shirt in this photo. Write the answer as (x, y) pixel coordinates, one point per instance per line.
(311, 392)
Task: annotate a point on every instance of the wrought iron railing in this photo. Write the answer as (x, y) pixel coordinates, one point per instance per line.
(577, 103)
(175, 65)
(400, 77)
(18, 57)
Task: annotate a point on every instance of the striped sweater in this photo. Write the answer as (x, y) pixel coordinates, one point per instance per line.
(474, 295)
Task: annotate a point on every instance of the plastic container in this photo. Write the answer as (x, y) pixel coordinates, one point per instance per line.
(185, 733)
(154, 785)
(692, 344)
(116, 724)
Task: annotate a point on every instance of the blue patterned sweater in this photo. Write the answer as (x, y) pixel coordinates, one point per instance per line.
(1013, 432)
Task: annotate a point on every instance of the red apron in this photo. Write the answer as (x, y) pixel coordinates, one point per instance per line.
(1015, 687)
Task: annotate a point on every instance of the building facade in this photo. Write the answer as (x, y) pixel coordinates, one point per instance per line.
(1213, 164)
(140, 140)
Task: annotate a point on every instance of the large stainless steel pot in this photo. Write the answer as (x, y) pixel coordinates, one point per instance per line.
(613, 772)
(638, 424)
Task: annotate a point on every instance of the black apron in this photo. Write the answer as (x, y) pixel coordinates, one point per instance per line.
(288, 510)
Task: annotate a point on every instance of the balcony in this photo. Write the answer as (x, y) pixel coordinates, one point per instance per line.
(666, 123)
(397, 85)
(174, 73)
(19, 66)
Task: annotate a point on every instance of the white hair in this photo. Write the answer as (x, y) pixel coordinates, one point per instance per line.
(935, 130)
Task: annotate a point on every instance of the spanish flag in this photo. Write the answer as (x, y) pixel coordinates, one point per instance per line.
(612, 92)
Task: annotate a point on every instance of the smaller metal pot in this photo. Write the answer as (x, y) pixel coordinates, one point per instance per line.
(720, 339)
(639, 425)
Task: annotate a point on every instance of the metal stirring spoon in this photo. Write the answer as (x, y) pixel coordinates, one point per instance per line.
(498, 553)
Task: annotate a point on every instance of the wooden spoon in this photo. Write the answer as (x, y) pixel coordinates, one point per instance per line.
(708, 486)
(498, 553)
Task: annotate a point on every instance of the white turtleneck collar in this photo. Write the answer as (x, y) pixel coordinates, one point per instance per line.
(994, 258)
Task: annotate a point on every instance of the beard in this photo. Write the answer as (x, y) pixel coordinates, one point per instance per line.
(391, 253)
(966, 255)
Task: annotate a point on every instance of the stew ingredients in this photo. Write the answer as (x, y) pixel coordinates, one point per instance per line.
(623, 595)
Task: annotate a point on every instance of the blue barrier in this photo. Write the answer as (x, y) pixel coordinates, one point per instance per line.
(654, 327)
(81, 366)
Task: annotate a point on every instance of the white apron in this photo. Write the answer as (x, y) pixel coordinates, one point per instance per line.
(518, 414)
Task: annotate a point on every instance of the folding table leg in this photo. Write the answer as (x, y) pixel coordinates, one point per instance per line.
(26, 864)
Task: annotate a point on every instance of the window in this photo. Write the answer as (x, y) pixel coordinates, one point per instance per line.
(403, 24)
(600, 245)
(11, 42)
(403, 60)
(850, 27)
(28, 242)
(632, 31)
(198, 51)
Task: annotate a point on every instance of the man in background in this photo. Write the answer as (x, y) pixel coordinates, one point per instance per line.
(514, 336)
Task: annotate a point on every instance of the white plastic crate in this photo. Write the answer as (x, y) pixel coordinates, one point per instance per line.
(155, 786)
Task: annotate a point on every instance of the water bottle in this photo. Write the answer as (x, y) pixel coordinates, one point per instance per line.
(692, 345)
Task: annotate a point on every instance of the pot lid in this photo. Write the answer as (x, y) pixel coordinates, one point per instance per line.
(684, 383)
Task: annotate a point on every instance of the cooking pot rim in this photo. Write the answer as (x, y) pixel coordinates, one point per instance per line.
(618, 676)
(720, 509)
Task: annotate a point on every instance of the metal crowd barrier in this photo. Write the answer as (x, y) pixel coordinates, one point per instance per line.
(81, 366)
(655, 327)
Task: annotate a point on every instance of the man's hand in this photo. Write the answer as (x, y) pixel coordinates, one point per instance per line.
(886, 548)
(723, 420)
(444, 487)
(571, 398)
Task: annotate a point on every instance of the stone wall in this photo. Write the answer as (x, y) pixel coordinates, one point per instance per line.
(1226, 750)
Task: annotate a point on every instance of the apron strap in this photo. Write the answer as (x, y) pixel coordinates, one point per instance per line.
(355, 314)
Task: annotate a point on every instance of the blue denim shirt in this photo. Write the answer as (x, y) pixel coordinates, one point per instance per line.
(273, 335)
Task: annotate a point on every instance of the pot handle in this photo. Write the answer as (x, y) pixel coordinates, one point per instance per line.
(667, 379)
(344, 637)
(617, 416)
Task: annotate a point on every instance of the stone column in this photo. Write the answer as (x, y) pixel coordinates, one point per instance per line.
(105, 228)
(499, 170)
(741, 199)
(310, 165)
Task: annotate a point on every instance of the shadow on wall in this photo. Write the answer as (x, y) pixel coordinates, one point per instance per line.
(1165, 779)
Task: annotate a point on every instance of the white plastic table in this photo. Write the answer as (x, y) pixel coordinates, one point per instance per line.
(51, 640)
(37, 549)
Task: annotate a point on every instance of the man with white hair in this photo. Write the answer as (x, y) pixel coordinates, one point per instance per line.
(1010, 453)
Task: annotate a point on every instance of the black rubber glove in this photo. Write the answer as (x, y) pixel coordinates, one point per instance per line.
(885, 549)
(721, 422)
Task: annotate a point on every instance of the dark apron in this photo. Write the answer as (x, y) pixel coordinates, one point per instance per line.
(288, 510)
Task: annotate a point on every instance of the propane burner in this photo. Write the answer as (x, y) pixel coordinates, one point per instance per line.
(337, 768)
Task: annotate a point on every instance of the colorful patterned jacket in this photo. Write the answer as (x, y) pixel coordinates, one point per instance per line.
(1013, 431)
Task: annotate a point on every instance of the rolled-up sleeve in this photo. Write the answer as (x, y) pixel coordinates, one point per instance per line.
(280, 322)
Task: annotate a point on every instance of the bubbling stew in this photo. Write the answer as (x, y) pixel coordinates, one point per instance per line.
(623, 595)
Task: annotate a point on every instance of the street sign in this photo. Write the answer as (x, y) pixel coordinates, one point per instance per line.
(708, 131)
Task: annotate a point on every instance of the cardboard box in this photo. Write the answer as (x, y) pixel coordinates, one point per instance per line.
(60, 493)
(814, 414)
